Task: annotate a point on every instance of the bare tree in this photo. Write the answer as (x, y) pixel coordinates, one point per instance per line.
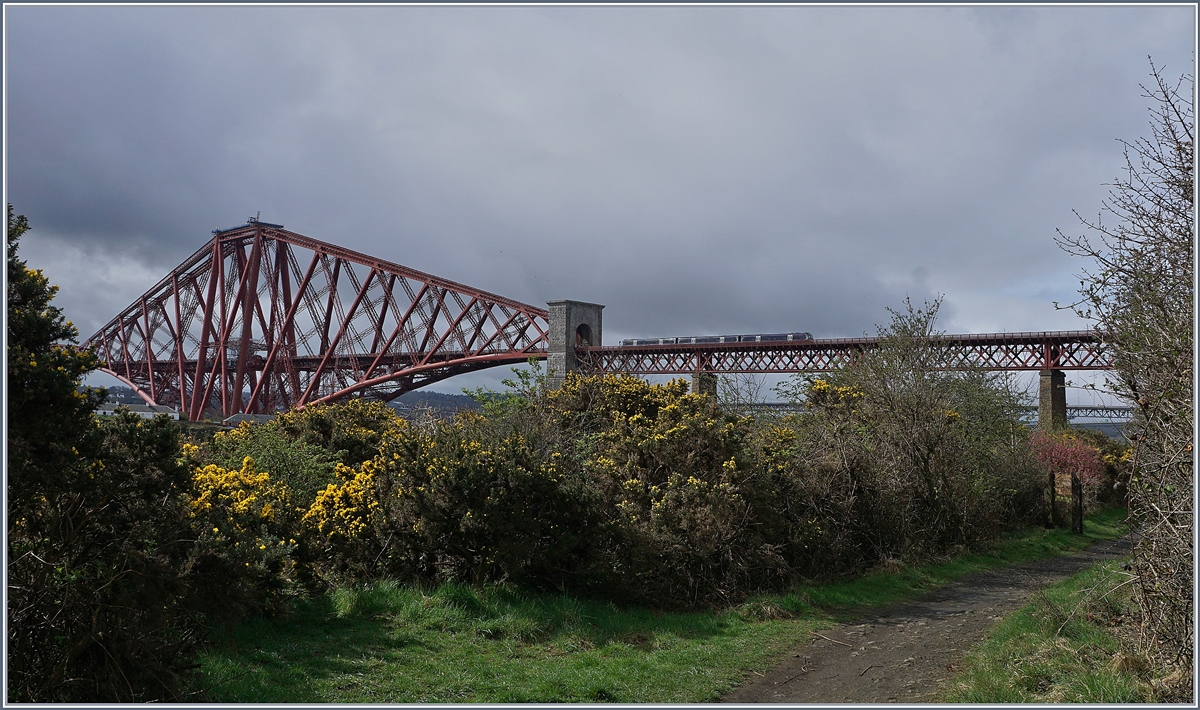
(741, 393)
(1140, 295)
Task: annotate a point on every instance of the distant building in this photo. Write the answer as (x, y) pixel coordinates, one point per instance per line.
(145, 411)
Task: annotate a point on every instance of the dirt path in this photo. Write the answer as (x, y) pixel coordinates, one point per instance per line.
(905, 653)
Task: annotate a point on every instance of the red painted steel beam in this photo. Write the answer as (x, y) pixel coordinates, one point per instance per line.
(288, 320)
(362, 291)
(134, 385)
(474, 363)
(400, 326)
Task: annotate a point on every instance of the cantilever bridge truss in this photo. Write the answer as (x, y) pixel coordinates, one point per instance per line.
(262, 319)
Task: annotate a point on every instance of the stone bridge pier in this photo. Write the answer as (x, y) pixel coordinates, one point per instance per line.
(1052, 400)
(572, 324)
(704, 383)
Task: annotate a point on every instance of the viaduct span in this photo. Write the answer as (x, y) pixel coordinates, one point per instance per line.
(262, 319)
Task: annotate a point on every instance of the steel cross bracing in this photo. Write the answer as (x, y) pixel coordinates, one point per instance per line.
(262, 319)
(1099, 412)
(1060, 350)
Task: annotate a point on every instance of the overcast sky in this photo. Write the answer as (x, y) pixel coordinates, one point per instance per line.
(695, 169)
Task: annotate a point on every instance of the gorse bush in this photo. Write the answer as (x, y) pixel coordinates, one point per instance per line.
(304, 459)
(675, 487)
(342, 520)
(244, 525)
(648, 493)
(125, 548)
(474, 504)
(304, 467)
(352, 432)
(632, 489)
(100, 574)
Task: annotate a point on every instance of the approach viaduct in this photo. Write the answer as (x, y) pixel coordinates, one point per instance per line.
(261, 319)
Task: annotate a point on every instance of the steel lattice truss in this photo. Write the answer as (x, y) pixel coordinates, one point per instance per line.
(1061, 350)
(1099, 412)
(262, 319)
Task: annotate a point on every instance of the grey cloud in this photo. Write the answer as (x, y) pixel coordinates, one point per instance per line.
(695, 169)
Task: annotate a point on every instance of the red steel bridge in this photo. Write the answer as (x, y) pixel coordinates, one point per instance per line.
(262, 319)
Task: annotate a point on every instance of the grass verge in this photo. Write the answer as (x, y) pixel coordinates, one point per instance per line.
(389, 643)
(1070, 645)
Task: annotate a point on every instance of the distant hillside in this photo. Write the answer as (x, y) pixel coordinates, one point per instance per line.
(442, 404)
(119, 394)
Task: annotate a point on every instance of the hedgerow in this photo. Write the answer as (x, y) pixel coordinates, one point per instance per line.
(648, 493)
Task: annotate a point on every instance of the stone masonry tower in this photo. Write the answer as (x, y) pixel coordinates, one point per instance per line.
(704, 383)
(1052, 400)
(572, 324)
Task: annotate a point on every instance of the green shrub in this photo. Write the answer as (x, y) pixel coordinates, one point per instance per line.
(673, 477)
(99, 545)
(115, 571)
(101, 574)
(903, 455)
(648, 493)
(244, 527)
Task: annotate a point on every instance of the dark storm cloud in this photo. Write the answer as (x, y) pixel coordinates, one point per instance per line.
(695, 169)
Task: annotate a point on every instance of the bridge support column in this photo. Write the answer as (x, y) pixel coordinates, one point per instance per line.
(1052, 400)
(572, 324)
(704, 383)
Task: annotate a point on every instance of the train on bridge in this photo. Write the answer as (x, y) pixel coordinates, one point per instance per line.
(695, 340)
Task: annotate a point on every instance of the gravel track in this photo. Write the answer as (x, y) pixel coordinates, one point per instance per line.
(907, 652)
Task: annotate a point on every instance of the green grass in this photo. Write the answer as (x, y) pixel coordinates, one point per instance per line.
(389, 643)
(1060, 649)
